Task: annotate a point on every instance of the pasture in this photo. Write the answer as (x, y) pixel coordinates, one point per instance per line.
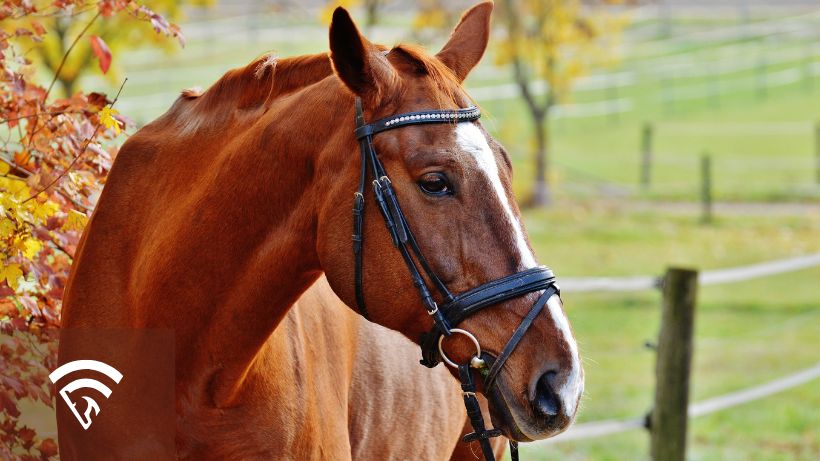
(751, 101)
(746, 333)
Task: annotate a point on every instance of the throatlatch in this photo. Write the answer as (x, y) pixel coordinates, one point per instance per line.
(454, 309)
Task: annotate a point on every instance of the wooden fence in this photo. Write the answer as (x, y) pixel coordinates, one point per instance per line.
(667, 422)
(648, 152)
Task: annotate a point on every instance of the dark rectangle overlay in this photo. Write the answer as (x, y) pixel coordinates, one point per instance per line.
(136, 420)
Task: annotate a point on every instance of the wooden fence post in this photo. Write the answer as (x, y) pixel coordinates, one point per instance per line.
(706, 188)
(669, 416)
(808, 61)
(646, 155)
(762, 80)
(817, 151)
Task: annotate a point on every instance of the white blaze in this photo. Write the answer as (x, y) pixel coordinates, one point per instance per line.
(472, 140)
(573, 386)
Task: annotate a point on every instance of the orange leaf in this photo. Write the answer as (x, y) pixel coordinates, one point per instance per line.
(38, 28)
(48, 448)
(102, 52)
(24, 159)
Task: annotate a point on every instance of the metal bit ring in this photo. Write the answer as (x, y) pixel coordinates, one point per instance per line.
(468, 335)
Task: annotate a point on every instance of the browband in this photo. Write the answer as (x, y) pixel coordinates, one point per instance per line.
(418, 118)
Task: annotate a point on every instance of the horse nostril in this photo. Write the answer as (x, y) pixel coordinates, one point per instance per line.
(546, 401)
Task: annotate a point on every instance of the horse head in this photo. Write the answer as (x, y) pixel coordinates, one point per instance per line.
(454, 185)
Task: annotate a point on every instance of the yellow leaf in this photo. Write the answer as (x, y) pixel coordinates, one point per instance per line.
(42, 211)
(11, 274)
(75, 221)
(4, 168)
(31, 247)
(107, 119)
(7, 228)
(326, 15)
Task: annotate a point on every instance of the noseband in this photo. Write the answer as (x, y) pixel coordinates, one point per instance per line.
(454, 308)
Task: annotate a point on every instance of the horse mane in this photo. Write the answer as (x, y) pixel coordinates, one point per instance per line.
(256, 85)
(246, 89)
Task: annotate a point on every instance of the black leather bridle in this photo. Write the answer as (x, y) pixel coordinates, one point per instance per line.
(454, 308)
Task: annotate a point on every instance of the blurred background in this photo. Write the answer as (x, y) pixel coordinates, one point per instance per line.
(644, 135)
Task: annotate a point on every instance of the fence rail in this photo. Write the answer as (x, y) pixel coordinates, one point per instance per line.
(666, 442)
(702, 408)
(711, 277)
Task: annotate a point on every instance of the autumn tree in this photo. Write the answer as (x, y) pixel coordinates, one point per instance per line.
(54, 155)
(114, 34)
(372, 9)
(554, 41)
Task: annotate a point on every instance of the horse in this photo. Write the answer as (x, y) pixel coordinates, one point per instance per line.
(375, 399)
(219, 215)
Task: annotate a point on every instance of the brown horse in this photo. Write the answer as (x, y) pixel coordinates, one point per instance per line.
(219, 215)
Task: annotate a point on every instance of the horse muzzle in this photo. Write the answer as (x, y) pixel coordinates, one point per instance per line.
(543, 412)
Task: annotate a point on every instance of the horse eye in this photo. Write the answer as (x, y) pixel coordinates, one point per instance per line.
(435, 184)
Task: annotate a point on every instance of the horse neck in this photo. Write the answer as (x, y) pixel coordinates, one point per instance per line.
(212, 232)
(270, 251)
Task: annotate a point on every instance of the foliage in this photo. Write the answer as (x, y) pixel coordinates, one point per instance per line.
(372, 9)
(54, 156)
(435, 18)
(114, 33)
(555, 41)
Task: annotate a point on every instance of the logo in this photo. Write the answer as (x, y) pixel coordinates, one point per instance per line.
(85, 383)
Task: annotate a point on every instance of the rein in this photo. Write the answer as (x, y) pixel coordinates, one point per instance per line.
(454, 308)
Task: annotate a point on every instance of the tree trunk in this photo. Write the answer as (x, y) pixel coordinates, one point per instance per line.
(68, 86)
(541, 196)
(372, 7)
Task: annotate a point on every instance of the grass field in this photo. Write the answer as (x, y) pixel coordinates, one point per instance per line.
(746, 333)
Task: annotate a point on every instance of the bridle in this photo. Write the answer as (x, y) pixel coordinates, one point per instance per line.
(454, 308)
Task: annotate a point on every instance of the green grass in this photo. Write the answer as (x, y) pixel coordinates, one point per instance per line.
(604, 153)
(779, 428)
(592, 239)
(746, 333)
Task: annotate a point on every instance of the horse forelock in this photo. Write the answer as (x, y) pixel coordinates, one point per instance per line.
(446, 84)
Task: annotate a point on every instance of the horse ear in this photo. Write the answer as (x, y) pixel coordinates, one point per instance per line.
(468, 41)
(356, 61)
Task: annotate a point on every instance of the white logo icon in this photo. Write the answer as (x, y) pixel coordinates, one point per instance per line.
(77, 365)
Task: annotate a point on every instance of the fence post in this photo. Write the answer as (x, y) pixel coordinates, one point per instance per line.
(817, 151)
(706, 188)
(669, 416)
(808, 60)
(612, 95)
(762, 81)
(646, 155)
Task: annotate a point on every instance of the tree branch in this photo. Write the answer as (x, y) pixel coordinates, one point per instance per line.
(57, 73)
(79, 154)
(522, 80)
(53, 113)
(67, 52)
